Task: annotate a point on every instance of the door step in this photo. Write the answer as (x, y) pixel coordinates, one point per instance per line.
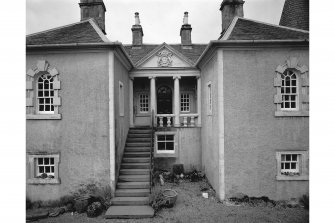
(134, 178)
(137, 149)
(135, 165)
(130, 201)
(133, 185)
(129, 212)
(132, 192)
(138, 144)
(136, 154)
(134, 171)
(136, 160)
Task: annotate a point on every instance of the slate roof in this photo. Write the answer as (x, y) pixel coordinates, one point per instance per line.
(245, 29)
(82, 32)
(137, 54)
(295, 14)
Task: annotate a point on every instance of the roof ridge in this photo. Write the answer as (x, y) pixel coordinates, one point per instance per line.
(278, 26)
(59, 27)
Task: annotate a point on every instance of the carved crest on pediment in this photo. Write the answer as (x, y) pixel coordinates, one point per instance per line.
(164, 58)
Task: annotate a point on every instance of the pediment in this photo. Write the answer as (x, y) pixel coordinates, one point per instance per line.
(164, 56)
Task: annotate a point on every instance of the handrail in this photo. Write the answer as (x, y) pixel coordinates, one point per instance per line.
(152, 147)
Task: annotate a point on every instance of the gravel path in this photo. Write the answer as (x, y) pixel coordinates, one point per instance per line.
(192, 207)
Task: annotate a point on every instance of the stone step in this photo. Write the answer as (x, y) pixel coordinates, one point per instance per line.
(134, 178)
(138, 140)
(129, 212)
(130, 201)
(136, 154)
(139, 131)
(132, 135)
(137, 149)
(132, 192)
(135, 165)
(134, 171)
(133, 185)
(136, 160)
(138, 144)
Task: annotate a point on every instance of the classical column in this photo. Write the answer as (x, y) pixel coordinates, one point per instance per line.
(131, 101)
(153, 94)
(199, 100)
(176, 101)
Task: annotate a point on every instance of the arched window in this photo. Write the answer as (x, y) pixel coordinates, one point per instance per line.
(289, 90)
(45, 94)
(292, 89)
(42, 92)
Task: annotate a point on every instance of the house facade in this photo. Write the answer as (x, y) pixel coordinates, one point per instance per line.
(236, 108)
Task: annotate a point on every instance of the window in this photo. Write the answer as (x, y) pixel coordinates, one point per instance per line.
(289, 90)
(292, 87)
(43, 169)
(292, 165)
(166, 144)
(144, 103)
(209, 98)
(45, 94)
(185, 102)
(42, 92)
(121, 99)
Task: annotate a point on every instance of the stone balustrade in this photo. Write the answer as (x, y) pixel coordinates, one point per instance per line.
(167, 120)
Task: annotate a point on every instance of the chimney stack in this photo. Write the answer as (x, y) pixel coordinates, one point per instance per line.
(185, 32)
(93, 9)
(137, 31)
(229, 9)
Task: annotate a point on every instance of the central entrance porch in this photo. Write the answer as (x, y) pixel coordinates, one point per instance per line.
(174, 100)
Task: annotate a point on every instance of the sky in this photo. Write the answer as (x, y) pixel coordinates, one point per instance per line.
(160, 19)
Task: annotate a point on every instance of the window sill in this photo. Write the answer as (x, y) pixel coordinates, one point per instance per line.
(43, 181)
(281, 177)
(165, 155)
(44, 117)
(292, 113)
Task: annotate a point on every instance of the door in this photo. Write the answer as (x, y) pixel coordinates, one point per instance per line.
(164, 100)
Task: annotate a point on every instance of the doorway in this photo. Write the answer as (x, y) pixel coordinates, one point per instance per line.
(164, 100)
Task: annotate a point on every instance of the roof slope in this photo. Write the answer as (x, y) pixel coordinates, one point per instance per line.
(136, 54)
(83, 32)
(295, 14)
(246, 29)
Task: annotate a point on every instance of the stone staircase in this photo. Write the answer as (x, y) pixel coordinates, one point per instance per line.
(133, 188)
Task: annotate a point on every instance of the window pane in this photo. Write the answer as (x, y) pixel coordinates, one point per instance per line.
(40, 161)
(287, 166)
(51, 93)
(294, 157)
(40, 86)
(51, 86)
(47, 108)
(293, 97)
(161, 146)
(287, 97)
(40, 93)
(46, 93)
(41, 108)
(47, 169)
(46, 84)
(46, 161)
(52, 169)
(41, 100)
(288, 90)
(294, 90)
(169, 137)
(52, 108)
(293, 166)
(282, 166)
(283, 158)
(287, 105)
(292, 104)
(169, 146)
(161, 138)
(47, 100)
(51, 160)
(41, 169)
(288, 157)
(294, 83)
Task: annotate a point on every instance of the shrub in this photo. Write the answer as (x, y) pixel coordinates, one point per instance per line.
(94, 210)
(304, 200)
(29, 204)
(178, 169)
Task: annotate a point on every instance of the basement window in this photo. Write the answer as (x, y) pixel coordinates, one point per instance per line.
(166, 144)
(43, 169)
(292, 165)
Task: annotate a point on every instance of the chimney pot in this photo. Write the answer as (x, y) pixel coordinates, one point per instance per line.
(137, 31)
(185, 32)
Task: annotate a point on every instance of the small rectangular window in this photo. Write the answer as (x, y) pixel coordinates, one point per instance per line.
(165, 143)
(121, 99)
(144, 103)
(292, 165)
(185, 102)
(45, 167)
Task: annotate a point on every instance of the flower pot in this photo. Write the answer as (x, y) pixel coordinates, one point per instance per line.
(171, 197)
